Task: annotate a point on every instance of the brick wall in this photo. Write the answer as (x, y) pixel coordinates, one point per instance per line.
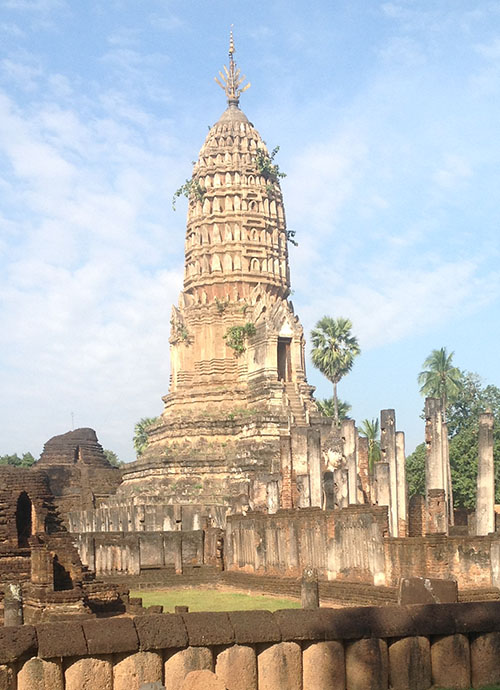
(444, 645)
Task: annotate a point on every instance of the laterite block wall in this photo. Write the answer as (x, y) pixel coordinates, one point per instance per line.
(405, 648)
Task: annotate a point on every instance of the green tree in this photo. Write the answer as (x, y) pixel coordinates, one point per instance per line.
(113, 458)
(415, 471)
(141, 433)
(334, 350)
(25, 460)
(439, 378)
(370, 429)
(327, 408)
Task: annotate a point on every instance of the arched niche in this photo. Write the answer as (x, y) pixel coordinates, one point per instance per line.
(24, 520)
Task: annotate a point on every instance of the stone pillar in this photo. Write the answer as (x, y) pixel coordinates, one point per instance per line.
(446, 473)
(363, 469)
(402, 488)
(309, 589)
(314, 465)
(349, 434)
(13, 605)
(388, 455)
(177, 546)
(485, 505)
(42, 566)
(382, 488)
(435, 473)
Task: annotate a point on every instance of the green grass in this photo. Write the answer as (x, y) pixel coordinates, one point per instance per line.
(212, 600)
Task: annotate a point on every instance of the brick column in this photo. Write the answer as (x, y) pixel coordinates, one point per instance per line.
(402, 488)
(349, 437)
(435, 473)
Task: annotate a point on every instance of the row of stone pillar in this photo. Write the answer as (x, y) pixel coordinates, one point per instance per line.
(438, 485)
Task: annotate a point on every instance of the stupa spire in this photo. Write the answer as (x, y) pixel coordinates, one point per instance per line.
(232, 79)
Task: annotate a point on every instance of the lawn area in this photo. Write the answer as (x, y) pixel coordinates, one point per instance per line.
(212, 599)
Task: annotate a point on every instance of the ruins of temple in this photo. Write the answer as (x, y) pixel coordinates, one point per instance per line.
(239, 425)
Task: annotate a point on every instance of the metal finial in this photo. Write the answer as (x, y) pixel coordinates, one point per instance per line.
(232, 79)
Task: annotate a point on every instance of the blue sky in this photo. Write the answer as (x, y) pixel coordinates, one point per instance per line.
(387, 118)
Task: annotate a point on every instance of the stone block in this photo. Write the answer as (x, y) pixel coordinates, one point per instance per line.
(181, 663)
(434, 619)
(130, 671)
(424, 590)
(345, 624)
(477, 616)
(17, 642)
(60, 639)
(212, 628)
(280, 667)
(450, 659)
(40, 674)
(323, 666)
(252, 627)
(367, 664)
(7, 678)
(91, 673)
(202, 680)
(106, 636)
(237, 667)
(485, 659)
(299, 624)
(161, 632)
(410, 664)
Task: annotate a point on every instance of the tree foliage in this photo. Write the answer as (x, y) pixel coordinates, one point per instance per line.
(327, 408)
(140, 433)
(439, 378)
(25, 460)
(334, 350)
(113, 458)
(370, 429)
(472, 399)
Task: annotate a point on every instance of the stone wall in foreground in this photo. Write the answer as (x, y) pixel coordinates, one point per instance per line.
(405, 648)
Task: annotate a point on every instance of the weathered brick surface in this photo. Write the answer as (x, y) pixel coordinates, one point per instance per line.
(130, 671)
(208, 628)
(40, 674)
(254, 627)
(18, 642)
(237, 667)
(323, 666)
(280, 667)
(60, 639)
(450, 659)
(105, 636)
(485, 659)
(367, 665)
(410, 664)
(90, 673)
(161, 631)
(181, 663)
(202, 680)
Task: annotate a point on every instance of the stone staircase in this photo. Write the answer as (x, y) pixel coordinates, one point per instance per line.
(295, 405)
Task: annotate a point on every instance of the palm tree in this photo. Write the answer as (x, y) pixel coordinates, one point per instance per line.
(141, 433)
(440, 379)
(334, 349)
(369, 429)
(327, 408)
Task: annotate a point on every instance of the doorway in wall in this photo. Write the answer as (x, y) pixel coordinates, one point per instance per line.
(284, 359)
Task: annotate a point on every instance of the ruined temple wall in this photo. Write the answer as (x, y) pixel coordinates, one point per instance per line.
(344, 544)
(127, 553)
(146, 517)
(471, 561)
